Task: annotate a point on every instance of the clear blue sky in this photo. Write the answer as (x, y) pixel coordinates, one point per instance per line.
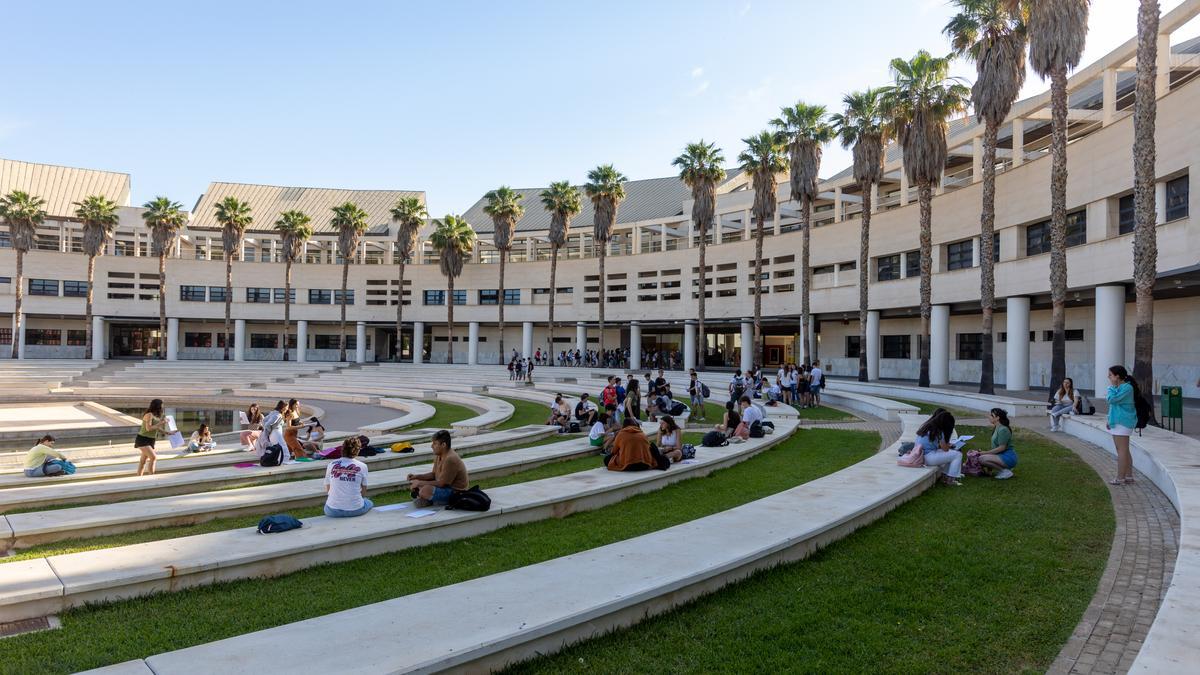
(453, 98)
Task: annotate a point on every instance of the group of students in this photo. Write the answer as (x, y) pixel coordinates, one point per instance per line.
(935, 445)
(618, 400)
(346, 479)
(284, 427)
(794, 385)
(520, 368)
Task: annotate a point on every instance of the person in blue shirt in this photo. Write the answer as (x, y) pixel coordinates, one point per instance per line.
(934, 439)
(1122, 419)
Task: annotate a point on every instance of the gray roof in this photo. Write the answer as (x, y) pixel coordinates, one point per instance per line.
(648, 199)
(61, 186)
(268, 201)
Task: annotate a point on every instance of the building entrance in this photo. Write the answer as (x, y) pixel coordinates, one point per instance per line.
(131, 340)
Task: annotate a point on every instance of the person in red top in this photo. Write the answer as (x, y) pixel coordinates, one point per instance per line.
(609, 395)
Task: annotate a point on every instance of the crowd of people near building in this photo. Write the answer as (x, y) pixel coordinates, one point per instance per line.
(669, 359)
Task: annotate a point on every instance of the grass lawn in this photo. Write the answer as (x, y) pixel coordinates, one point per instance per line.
(825, 413)
(524, 412)
(989, 577)
(447, 414)
(928, 408)
(713, 411)
(100, 635)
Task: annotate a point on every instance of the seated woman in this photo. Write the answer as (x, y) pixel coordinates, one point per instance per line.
(1002, 457)
(934, 439)
(201, 440)
(1065, 401)
(254, 418)
(291, 414)
(346, 484)
(39, 460)
(312, 443)
(670, 439)
(731, 420)
(598, 435)
(632, 451)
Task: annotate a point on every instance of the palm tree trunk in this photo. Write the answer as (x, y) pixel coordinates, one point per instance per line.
(805, 275)
(1058, 225)
(228, 297)
(20, 296)
(702, 341)
(450, 323)
(758, 252)
(87, 315)
(342, 325)
(500, 301)
(1145, 239)
(987, 266)
(925, 199)
(603, 291)
(864, 241)
(162, 303)
(553, 289)
(287, 306)
(400, 313)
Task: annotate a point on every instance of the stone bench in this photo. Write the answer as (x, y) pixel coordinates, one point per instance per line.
(140, 569)
(874, 406)
(1015, 407)
(1172, 462)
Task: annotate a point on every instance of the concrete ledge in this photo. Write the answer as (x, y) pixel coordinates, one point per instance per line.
(1015, 407)
(870, 405)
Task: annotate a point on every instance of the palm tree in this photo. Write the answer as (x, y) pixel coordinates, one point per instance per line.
(992, 34)
(918, 105)
(351, 222)
(606, 189)
(1145, 238)
(409, 214)
(99, 217)
(700, 169)
(234, 216)
(862, 127)
(763, 159)
(805, 130)
(504, 207)
(23, 213)
(164, 218)
(562, 200)
(453, 239)
(1057, 31)
(294, 229)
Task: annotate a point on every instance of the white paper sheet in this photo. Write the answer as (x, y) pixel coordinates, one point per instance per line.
(421, 514)
(394, 507)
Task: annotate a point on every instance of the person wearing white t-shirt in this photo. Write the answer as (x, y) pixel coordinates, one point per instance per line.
(750, 412)
(816, 379)
(346, 483)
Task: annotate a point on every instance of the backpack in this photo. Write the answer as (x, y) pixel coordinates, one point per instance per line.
(280, 522)
(704, 391)
(574, 428)
(714, 439)
(756, 430)
(689, 451)
(469, 500)
(678, 409)
(913, 459)
(1142, 406)
(1085, 405)
(273, 456)
(402, 446)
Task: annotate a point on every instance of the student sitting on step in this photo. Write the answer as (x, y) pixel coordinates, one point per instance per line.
(585, 411)
(291, 440)
(346, 483)
(201, 440)
(316, 435)
(670, 438)
(560, 413)
(599, 435)
(254, 418)
(449, 475)
(38, 461)
(730, 420)
(632, 451)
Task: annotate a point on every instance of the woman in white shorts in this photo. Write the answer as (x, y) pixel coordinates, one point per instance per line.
(1122, 419)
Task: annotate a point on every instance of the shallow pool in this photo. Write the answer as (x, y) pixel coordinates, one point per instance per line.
(187, 419)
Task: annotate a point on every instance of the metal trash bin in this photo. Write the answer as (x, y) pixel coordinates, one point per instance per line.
(1172, 407)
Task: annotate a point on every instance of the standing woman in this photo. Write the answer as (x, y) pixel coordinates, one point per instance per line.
(1001, 456)
(153, 423)
(1122, 419)
(633, 400)
(291, 414)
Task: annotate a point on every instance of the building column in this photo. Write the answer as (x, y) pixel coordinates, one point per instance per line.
(872, 345)
(837, 204)
(239, 340)
(689, 345)
(805, 357)
(976, 159)
(1162, 81)
(1109, 95)
(581, 336)
(748, 346)
(98, 338)
(1018, 142)
(527, 339)
(1160, 204)
(903, 186)
(748, 225)
(939, 345)
(208, 248)
(301, 341)
(418, 343)
(874, 198)
(360, 342)
(172, 339)
(1016, 374)
(635, 345)
(1110, 334)
(473, 343)
(19, 335)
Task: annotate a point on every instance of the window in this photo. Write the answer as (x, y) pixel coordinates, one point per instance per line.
(221, 340)
(1177, 198)
(216, 294)
(278, 295)
(460, 297)
(1037, 236)
(120, 296)
(43, 336)
(887, 268)
(512, 296)
(1071, 335)
(897, 346)
(75, 289)
(912, 265)
(489, 297)
(258, 295)
(435, 297)
(959, 254)
(348, 299)
(320, 296)
(192, 293)
(43, 287)
(5, 280)
(76, 338)
(326, 342)
(264, 341)
(824, 269)
(5, 336)
(996, 247)
(970, 346)
(1076, 228)
(1126, 214)
(852, 346)
(197, 340)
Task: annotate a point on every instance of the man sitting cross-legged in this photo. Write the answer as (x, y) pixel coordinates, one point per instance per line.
(449, 475)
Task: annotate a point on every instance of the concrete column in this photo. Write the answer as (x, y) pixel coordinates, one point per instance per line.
(19, 336)
(975, 243)
(1016, 375)
(689, 345)
(360, 342)
(1109, 92)
(1160, 205)
(1110, 334)
(581, 336)
(239, 340)
(137, 244)
(663, 231)
(208, 248)
(874, 197)
(976, 159)
(418, 344)
(635, 345)
(98, 341)
(939, 186)
(837, 204)
(748, 223)
(172, 339)
(241, 251)
(748, 346)
(473, 343)
(301, 341)
(939, 345)
(1162, 83)
(904, 265)
(691, 233)
(527, 339)
(872, 345)
(1018, 142)
(903, 186)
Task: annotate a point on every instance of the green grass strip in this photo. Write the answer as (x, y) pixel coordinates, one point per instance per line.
(524, 412)
(447, 414)
(825, 413)
(928, 408)
(989, 577)
(101, 635)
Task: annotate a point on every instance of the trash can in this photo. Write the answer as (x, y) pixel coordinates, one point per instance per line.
(1172, 407)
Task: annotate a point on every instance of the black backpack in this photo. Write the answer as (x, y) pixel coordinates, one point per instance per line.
(704, 391)
(714, 439)
(1142, 407)
(678, 409)
(469, 500)
(273, 456)
(756, 430)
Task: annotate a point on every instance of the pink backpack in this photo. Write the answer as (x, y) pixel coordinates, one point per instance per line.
(972, 466)
(913, 459)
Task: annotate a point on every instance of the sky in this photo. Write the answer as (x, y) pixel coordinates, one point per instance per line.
(454, 98)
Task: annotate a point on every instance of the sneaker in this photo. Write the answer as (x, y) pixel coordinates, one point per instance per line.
(422, 503)
(1004, 474)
